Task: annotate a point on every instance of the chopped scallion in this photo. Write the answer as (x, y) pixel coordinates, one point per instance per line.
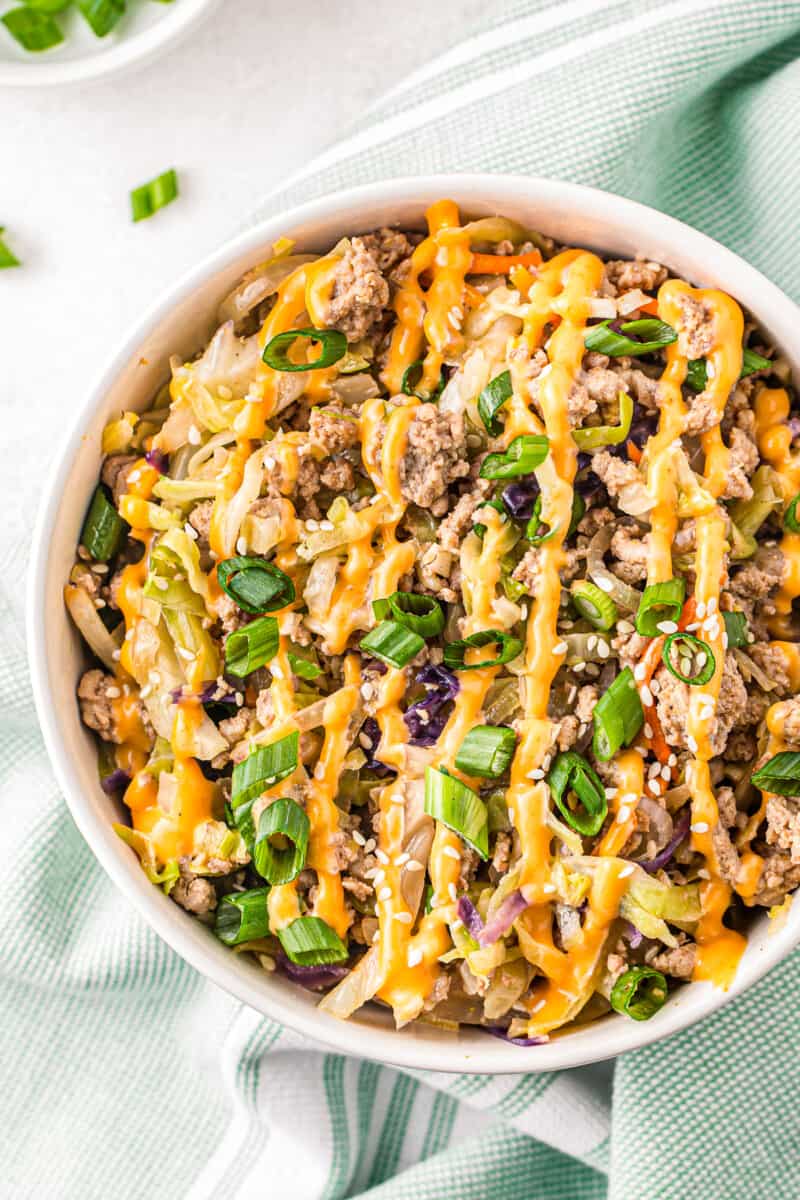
(639, 993)
(454, 652)
(103, 528)
(492, 399)
(593, 604)
(150, 197)
(333, 346)
(486, 751)
(579, 793)
(257, 586)
(392, 643)
(592, 437)
(35, 31)
(450, 801)
(660, 602)
(695, 659)
(618, 717)
(266, 766)
(281, 842)
(252, 646)
(310, 942)
(421, 614)
(242, 917)
(736, 628)
(7, 257)
(646, 335)
(524, 455)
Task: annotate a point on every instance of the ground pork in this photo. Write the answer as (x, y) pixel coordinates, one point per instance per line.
(457, 523)
(726, 806)
(96, 694)
(696, 332)
(757, 578)
(783, 825)
(594, 519)
(774, 663)
(726, 853)
(115, 472)
(741, 747)
(435, 455)
(744, 458)
(624, 274)
(388, 247)
(629, 549)
(672, 702)
(194, 893)
(360, 293)
(305, 483)
(338, 475)
(502, 853)
(333, 429)
(580, 404)
(528, 570)
(779, 875)
(358, 888)
(229, 614)
(234, 728)
(439, 992)
(200, 519)
(438, 573)
(615, 473)
(677, 962)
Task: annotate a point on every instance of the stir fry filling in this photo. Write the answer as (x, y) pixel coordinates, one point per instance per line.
(443, 613)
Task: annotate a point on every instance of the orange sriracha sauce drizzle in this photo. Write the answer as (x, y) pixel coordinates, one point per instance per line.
(430, 307)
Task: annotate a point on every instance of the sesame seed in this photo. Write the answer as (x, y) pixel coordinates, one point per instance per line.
(672, 761)
(648, 730)
(241, 546)
(381, 855)
(700, 609)
(358, 837)
(194, 435)
(560, 648)
(639, 672)
(603, 648)
(511, 815)
(397, 798)
(376, 937)
(699, 827)
(578, 666)
(402, 859)
(385, 893)
(667, 627)
(629, 798)
(115, 654)
(414, 956)
(366, 690)
(666, 774)
(378, 876)
(451, 852)
(610, 792)
(624, 627)
(191, 532)
(100, 568)
(712, 605)
(312, 525)
(319, 771)
(654, 785)
(626, 871)
(691, 742)
(145, 691)
(269, 462)
(451, 891)
(623, 814)
(113, 692)
(538, 1006)
(413, 865)
(548, 888)
(326, 525)
(647, 696)
(405, 918)
(536, 773)
(591, 642)
(604, 584)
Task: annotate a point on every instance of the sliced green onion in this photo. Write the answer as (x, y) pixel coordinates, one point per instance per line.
(639, 993)
(486, 751)
(333, 347)
(498, 506)
(421, 614)
(655, 334)
(594, 436)
(282, 841)
(35, 31)
(103, 528)
(593, 604)
(7, 257)
(790, 520)
(411, 378)
(242, 917)
(571, 776)
(256, 585)
(524, 455)
(454, 652)
(535, 523)
(780, 775)
(492, 399)
(150, 197)
(48, 6)
(240, 816)
(660, 602)
(697, 372)
(736, 629)
(392, 643)
(450, 801)
(102, 15)
(618, 717)
(310, 942)
(692, 652)
(264, 767)
(252, 646)
(303, 662)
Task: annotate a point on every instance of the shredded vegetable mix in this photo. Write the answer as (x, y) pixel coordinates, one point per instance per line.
(442, 620)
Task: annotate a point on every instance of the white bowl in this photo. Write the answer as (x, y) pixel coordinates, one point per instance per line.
(180, 322)
(144, 32)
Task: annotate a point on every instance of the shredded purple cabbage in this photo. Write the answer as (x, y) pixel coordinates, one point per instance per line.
(159, 460)
(313, 978)
(661, 859)
(634, 935)
(372, 731)
(426, 718)
(498, 1032)
(470, 916)
(519, 497)
(503, 919)
(206, 696)
(115, 782)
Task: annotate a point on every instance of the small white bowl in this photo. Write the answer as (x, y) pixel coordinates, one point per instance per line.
(144, 32)
(180, 322)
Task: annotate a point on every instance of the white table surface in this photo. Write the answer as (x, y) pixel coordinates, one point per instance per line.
(245, 99)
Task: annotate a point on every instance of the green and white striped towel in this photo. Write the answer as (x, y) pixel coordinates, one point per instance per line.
(126, 1074)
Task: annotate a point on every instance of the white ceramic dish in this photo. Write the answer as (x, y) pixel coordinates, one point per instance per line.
(145, 31)
(180, 322)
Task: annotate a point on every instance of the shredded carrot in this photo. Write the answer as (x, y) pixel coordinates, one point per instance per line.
(501, 264)
(472, 297)
(651, 307)
(650, 660)
(634, 453)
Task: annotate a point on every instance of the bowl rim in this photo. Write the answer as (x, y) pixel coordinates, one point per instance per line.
(447, 1052)
(111, 59)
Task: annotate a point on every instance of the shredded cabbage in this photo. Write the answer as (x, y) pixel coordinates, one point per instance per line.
(141, 843)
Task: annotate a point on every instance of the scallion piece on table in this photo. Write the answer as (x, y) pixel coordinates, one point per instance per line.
(736, 628)
(242, 917)
(454, 652)
(152, 196)
(486, 751)
(103, 528)
(392, 643)
(266, 766)
(35, 31)
(634, 337)
(492, 399)
(310, 942)
(697, 372)
(578, 792)
(256, 585)
(592, 437)
(688, 658)
(332, 343)
(790, 520)
(594, 605)
(450, 801)
(421, 614)
(102, 15)
(639, 993)
(281, 842)
(780, 775)
(618, 717)
(660, 602)
(7, 257)
(252, 646)
(524, 455)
